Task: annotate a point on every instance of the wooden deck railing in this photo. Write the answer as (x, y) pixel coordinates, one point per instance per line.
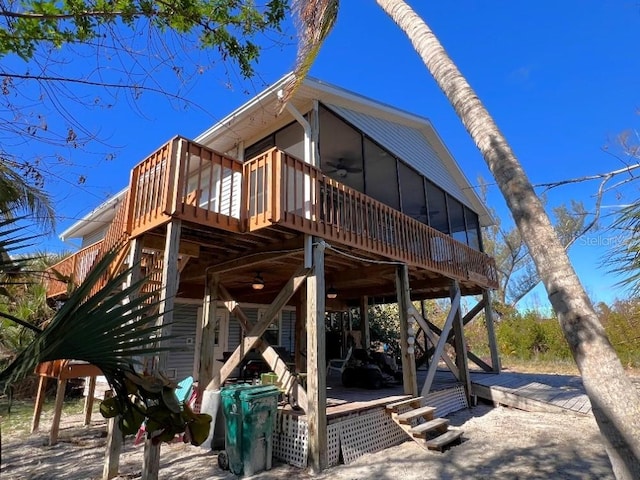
(186, 180)
(75, 267)
(285, 190)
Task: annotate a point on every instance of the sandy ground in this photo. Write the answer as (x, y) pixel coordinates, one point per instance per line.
(499, 443)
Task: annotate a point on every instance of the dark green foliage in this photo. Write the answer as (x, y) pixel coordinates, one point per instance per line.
(529, 336)
(227, 26)
(384, 326)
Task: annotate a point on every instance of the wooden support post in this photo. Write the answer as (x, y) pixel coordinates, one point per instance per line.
(431, 373)
(301, 330)
(409, 378)
(88, 401)
(37, 410)
(316, 364)
(57, 412)
(460, 346)
(364, 323)
(207, 341)
(114, 447)
(170, 280)
(152, 460)
(491, 334)
(114, 435)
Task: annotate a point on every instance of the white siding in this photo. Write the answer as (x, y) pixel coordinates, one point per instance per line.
(408, 144)
(180, 362)
(93, 237)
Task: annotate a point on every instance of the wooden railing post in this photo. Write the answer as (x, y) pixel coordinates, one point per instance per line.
(174, 175)
(276, 189)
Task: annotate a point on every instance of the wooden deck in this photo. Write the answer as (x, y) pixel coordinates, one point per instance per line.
(533, 392)
(230, 211)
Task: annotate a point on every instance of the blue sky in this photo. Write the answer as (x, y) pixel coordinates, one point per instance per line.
(560, 78)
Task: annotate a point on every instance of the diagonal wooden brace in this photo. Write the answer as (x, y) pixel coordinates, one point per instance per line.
(254, 332)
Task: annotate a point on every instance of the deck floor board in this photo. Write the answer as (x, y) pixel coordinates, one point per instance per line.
(562, 391)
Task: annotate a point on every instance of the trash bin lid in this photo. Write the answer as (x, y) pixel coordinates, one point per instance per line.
(234, 390)
(259, 392)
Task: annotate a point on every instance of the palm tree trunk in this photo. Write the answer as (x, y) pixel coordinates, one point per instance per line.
(615, 402)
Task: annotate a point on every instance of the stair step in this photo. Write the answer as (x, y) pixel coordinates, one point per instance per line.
(443, 440)
(435, 424)
(426, 412)
(401, 403)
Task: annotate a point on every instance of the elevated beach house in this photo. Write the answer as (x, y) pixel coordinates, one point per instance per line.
(251, 226)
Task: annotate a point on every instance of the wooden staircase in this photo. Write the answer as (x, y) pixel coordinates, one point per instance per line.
(419, 422)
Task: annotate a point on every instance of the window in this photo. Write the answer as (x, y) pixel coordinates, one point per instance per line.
(340, 148)
(272, 333)
(456, 220)
(473, 228)
(381, 175)
(414, 203)
(436, 200)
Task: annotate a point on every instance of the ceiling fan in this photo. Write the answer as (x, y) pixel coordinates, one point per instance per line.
(341, 167)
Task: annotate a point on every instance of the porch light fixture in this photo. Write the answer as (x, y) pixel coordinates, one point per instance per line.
(258, 282)
(332, 293)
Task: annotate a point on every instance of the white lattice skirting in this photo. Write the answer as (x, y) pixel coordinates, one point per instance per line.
(352, 435)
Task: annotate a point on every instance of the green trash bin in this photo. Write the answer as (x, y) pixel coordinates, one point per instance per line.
(231, 458)
(250, 413)
(259, 410)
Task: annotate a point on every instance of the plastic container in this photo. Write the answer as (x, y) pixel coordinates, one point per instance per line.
(231, 458)
(250, 413)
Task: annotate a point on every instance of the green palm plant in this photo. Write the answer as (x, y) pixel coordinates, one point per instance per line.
(18, 195)
(111, 328)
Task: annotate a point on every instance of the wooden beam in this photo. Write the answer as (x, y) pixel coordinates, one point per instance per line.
(301, 330)
(491, 334)
(434, 339)
(88, 401)
(114, 435)
(478, 361)
(316, 364)
(37, 409)
(470, 315)
(288, 381)
(409, 379)
(156, 242)
(280, 250)
(170, 281)
(57, 412)
(431, 373)
(207, 339)
(460, 346)
(364, 322)
(113, 448)
(252, 337)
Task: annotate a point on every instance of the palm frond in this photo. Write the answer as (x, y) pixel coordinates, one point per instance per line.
(315, 20)
(624, 257)
(92, 328)
(18, 195)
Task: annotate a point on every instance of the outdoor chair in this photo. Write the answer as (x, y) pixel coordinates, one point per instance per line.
(338, 364)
